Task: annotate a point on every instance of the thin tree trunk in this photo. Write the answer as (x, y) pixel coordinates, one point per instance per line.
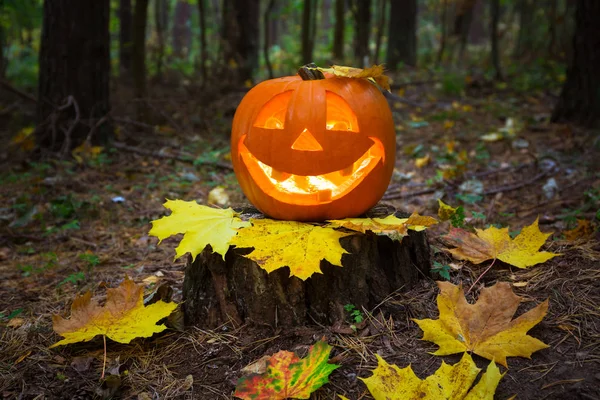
(267, 29)
(552, 27)
(495, 14)
(338, 35)
(579, 101)
(444, 37)
(73, 93)
(307, 32)
(3, 60)
(362, 18)
(203, 49)
(125, 35)
(525, 42)
(161, 15)
(402, 34)
(182, 33)
(138, 68)
(462, 25)
(380, 29)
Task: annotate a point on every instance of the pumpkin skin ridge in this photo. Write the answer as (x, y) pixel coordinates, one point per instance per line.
(374, 119)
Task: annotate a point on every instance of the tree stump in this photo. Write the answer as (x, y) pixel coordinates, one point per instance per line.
(236, 290)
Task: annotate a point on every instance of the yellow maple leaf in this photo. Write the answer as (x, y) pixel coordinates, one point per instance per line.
(445, 212)
(201, 226)
(374, 73)
(522, 251)
(486, 327)
(297, 245)
(420, 222)
(449, 382)
(85, 152)
(422, 161)
(122, 319)
(25, 138)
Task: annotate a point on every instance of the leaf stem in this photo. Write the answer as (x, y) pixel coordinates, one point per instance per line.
(309, 72)
(481, 276)
(104, 363)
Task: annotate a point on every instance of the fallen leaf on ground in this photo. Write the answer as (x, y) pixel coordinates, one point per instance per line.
(486, 327)
(422, 161)
(297, 245)
(449, 382)
(583, 229)
(122, 319)
(201, 226)
(522, 251)
(445, 212)
(288, 376)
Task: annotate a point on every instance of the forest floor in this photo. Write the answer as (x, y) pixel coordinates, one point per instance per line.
(67, 227)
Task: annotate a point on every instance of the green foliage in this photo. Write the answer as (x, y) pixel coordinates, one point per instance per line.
(453, 84)
(74, 279)
(355, 315)
(443, 270)
(458, 218)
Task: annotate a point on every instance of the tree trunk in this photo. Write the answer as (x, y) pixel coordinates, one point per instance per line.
(240, 35)
(74, 72)
(138, 65)
(203, 49)
(125, 35)
(525, 38)
(495, 15)
(267, 43)
(338, 34)
(444, 33)
(238, 291)
(307, 31)
(579, 101)
(161, 18)
(182, 32)
(402, 38)
(462, 25)
(362, 20)
(380, 28)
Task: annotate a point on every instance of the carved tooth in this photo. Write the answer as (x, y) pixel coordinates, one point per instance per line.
(324, 195)
(280, 176)
(348, 170)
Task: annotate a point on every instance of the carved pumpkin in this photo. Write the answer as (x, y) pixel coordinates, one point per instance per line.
(311, 150)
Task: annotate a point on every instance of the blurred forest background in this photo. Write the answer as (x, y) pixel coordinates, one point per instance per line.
(72, 55)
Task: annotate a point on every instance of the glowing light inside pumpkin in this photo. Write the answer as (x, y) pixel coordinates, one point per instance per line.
(319, 189)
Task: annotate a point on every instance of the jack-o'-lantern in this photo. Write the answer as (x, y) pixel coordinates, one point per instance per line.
(309, 149)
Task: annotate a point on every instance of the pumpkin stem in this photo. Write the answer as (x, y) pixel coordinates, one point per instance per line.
(309, 72)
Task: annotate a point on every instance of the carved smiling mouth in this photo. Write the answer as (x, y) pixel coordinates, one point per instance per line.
(311, 189)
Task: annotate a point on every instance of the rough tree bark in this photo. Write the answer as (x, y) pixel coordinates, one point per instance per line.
(238, 291)
(74, 72)
(338, 33)
(579, 101)
(402, 38)
(125, 35)
(362, 20)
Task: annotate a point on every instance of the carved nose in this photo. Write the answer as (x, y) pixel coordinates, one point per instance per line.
(306, 142)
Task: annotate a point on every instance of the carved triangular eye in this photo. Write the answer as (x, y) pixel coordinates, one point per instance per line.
(272, 115)
(340, 116)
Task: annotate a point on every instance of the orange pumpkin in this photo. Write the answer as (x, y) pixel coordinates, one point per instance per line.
(311, 150)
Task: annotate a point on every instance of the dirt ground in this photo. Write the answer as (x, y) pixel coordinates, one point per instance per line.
(66, 228)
